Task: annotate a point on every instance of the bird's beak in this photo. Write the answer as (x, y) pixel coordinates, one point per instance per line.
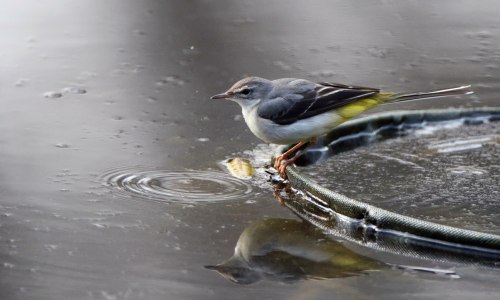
(222, 96)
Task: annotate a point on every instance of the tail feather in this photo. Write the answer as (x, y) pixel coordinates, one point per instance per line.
(461, 90)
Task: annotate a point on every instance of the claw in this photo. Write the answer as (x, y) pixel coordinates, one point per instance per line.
(286, 163)
(282, 169)
(287, 154)
(281, 162)
(277, 161)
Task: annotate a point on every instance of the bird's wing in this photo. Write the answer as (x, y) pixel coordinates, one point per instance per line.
(288, 109)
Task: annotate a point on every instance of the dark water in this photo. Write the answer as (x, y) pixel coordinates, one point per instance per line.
(98, 96)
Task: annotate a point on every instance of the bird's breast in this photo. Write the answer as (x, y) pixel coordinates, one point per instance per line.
(300, 130)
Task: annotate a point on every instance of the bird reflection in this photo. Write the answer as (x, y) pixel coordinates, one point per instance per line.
(288, 250)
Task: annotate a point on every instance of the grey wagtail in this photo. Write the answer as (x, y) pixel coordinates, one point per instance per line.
(297, 111)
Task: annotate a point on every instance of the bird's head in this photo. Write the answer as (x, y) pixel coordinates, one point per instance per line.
(247, 92)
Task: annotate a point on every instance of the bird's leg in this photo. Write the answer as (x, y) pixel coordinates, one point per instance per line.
(283, 164)
(279, 159)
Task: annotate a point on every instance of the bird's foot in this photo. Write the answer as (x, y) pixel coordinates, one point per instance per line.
(280, 164)
(282, 170)
(287, 154)
(284, 164)
(278, 160)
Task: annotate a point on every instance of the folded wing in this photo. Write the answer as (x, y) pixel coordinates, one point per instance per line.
(324, 97)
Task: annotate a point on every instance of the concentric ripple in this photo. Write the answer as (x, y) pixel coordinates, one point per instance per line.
(187, 186)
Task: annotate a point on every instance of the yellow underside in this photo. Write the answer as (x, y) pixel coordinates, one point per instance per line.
(351, 110)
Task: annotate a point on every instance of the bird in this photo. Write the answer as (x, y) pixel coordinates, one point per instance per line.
(297, 111)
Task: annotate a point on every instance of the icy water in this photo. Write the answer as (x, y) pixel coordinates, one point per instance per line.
(111, 185)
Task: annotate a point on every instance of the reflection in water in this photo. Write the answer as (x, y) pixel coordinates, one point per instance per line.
(288, 250)
(464, 144)
(186, 186)
(381, 236)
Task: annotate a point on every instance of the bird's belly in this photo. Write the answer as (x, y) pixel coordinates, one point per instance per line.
(300, 130)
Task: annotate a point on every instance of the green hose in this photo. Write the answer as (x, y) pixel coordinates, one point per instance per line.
(381, 219)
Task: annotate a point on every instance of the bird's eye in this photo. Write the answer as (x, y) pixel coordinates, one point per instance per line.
(245, 91)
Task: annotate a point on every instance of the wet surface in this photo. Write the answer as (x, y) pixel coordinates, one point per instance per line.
(184, 186)
(104, 102)
(449, 172)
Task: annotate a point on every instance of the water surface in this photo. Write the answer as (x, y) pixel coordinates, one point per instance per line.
(93, 89)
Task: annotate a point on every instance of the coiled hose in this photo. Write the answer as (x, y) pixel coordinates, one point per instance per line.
(386, 221)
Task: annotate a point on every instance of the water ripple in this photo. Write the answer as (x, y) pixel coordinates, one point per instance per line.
(185, 186)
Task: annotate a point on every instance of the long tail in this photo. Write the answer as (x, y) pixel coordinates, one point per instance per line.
(353, 109)
(461, 90)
